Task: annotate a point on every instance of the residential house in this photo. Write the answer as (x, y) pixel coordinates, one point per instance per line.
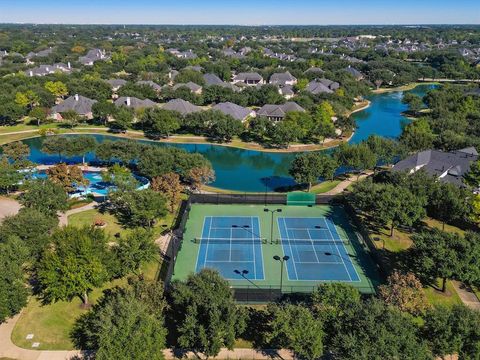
(150, 83)
(41, 53)
(314, 70)
(194, 88)
(355, 73)
(236, 111)
(116, 84)
(134, 103)
(278, 112)
(251, 79)
(44, 70)
(93, 56)
(286, 91)
(80, 104)
(282, 79)
(445, 166)
(182, 106)
(321, 87)
(214, 80)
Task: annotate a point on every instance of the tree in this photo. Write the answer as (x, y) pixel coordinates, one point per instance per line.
(133, 250)
(472, 177)
(436, 255)
(123, 119)
(404, 291)
(417, 135)
(372, 330)
(40, 114)
(475, 212)
(224, 127)
(306, 168)
(413, 101)
(81, 145)
(357, 157)
(74, 265)
(55, 145)
(160, 123)
(69, 177)
(121, 326)
(294, 327)
(57, 88)
(121, 177)
(284, 132)
(323, 123)
(453, 330)
(71, 118)
(103, 110)
(201, 175)
(168, 184)
(138, 208)
(204, 313)
(27, 99)
(9, 175)
(448, 202)
(13, 291)
(31, 226)
(45, 196)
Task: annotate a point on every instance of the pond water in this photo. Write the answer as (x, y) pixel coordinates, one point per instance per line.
(258, 171)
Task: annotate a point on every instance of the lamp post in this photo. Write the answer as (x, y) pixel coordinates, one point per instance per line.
(271, 224)
(282, 260)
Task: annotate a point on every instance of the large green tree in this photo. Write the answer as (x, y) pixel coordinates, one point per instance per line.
(75, 264)
(160, 123)
(45, 196)
(204, 313)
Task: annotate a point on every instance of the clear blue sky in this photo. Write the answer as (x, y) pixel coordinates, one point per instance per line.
(243, 12)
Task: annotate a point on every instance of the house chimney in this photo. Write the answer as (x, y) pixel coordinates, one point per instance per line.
(76, 97)
(48, 69)
(69, 65)
(31, 73)
(128, 101)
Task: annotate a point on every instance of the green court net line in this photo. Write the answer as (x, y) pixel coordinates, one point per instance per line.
(301, 198)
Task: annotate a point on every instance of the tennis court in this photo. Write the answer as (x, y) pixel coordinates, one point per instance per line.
(245, 243)
(232, 245)
(315, 249)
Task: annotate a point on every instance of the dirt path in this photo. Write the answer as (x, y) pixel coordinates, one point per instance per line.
(8, 207)
(467, 296)
(346, 183)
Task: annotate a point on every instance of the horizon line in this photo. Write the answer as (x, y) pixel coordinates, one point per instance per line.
(244, 25)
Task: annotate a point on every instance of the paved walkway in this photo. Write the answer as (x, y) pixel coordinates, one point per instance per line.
(63, 217)
(468, 297)
(346, 183)
(8, 207)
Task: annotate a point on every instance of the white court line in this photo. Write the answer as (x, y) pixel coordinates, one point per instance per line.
(313, 246)
(231, 261)
(339, 253)
(200, 247)
(253, 249)
(319, 262)
(231, 236)
(206, 252)
(290, 245)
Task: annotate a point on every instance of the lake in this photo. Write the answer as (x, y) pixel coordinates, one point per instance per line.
(258, 171)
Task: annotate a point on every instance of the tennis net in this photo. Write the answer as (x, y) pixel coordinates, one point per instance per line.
(229, 241)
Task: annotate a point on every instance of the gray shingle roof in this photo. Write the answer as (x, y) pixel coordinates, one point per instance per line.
(316, 87)
(212, 79)
(250, 76)
(190, 85)
(116, 83)
(282, 78)
(279, 111)
(446, 166)
(150, 83)
(135, 103)
(236, 111)
(181, 106)
(78, 103)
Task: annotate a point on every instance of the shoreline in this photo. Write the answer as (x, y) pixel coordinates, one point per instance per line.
(402, 88)
(198, 140)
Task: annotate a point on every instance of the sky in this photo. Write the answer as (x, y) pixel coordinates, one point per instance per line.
(241, 12)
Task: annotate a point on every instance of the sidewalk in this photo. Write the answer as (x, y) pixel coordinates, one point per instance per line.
(467, 296)
(63, 217)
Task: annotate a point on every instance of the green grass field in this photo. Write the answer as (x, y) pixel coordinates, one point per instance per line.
(187, 256)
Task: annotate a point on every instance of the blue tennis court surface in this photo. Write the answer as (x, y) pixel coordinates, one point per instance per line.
(315, 249)
(233, 246)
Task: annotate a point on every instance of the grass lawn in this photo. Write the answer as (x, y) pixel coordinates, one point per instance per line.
(86, 218)
(402, 241)
(325, 186)
(51, 324)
